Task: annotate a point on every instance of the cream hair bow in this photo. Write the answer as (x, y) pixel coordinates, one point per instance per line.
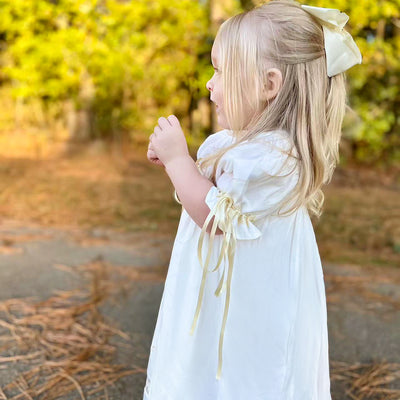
(341, 50)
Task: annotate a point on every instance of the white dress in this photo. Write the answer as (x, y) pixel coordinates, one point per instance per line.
(274, 345)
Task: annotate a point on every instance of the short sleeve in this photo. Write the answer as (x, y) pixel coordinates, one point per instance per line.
(256, 176)
(214, 142)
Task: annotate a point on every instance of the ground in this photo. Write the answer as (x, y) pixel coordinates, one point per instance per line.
(105, 223)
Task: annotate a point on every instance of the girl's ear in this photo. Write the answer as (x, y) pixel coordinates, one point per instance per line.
(273, 84)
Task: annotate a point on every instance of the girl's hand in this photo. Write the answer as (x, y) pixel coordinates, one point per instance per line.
(168, 140)
(152, 156)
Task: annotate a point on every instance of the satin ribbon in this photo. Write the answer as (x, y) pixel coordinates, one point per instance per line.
(340, 48)
(177, 198)
(226, 215)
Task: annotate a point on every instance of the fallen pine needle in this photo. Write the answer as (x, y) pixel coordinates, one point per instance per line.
(62, 343)
(368, 381)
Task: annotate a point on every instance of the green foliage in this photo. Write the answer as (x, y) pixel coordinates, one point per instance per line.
(129, 62)
(374, 86)
(117, 59)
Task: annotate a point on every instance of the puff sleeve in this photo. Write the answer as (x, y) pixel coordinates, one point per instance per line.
(251, 180)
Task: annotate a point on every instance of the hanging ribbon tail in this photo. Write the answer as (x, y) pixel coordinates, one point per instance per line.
(205, 266)
(231, 254)
(230, 220)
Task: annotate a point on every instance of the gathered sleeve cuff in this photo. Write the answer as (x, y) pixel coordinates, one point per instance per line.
(234, 225)
(222, 207)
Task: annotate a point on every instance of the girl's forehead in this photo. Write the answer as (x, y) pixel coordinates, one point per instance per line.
(215, 53)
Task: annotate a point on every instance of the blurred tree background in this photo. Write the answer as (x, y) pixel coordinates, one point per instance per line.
(102, 68)
(108, 69)
(83, 83)
(374, 90)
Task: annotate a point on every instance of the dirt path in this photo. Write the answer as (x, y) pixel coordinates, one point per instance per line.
(363, 303)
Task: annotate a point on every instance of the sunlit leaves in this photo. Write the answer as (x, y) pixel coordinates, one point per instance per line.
(138, 54)
(375, 84)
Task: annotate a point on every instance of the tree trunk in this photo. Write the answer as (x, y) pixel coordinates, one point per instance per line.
(79, 121)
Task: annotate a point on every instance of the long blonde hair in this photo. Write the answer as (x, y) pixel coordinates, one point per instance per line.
(310, 106)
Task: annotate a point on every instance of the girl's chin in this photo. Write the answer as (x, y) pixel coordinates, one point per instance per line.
(222, 123)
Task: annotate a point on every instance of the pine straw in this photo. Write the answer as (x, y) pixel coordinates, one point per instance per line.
(62, 343)
(365, 381)
(368, 381)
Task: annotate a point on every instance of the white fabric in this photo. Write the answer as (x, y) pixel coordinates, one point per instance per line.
(276, 339)
(341, 50)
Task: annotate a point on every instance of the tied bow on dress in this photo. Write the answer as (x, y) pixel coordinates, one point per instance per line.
(235, 225)
(226, 216)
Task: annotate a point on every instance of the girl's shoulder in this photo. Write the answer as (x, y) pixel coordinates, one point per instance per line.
(277, 142)
(271, 152)
(214, 142)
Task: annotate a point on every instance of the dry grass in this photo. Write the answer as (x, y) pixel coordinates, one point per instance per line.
(366, 381)
(96, 186)
(377, 380)
(89, 190)
(360, 225)
(62, 344)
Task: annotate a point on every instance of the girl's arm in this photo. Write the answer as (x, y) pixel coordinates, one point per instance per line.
(191, 188)
(168, 147)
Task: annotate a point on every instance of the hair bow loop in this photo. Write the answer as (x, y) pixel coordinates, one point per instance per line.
(340, 48)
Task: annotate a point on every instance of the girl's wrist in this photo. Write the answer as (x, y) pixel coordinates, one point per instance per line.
(178, 163)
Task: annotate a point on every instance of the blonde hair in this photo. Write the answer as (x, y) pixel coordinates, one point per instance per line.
(310, 106)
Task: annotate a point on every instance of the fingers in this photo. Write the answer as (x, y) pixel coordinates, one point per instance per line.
(168, 129)
(173, 120)
(163, 122)
(155, 161)
(169, 121)
(151, 137)
(151, 153)
(152, 157)
(154, 134)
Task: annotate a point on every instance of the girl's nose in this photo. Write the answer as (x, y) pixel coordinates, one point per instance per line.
(208, 85)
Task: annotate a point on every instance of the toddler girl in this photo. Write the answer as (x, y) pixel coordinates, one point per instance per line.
(243, 313)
